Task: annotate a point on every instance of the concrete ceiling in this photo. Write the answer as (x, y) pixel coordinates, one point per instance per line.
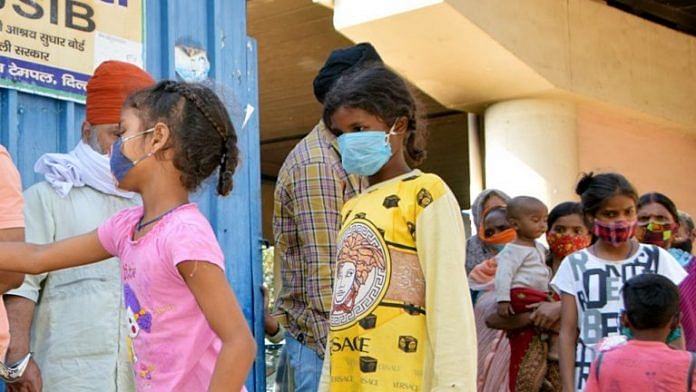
(294, 39)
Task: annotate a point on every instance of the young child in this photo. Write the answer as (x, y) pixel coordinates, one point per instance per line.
(522, 279)
(402, 316)
(646, 362)
(568, 233)
(589, 280)
(186, 328)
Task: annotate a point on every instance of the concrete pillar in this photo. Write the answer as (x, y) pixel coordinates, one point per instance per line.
(532, 149)
(475, 157)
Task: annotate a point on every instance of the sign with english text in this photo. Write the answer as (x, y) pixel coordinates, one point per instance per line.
(51, 47)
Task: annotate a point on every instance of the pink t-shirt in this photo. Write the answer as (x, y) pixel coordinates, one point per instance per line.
(11, 201)
(641, 366)
(171, 344)
(11, 217)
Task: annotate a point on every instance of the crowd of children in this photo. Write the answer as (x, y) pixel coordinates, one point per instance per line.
(602, 305)
(613, 305)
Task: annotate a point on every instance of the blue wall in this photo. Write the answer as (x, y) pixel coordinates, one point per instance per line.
(31, 125)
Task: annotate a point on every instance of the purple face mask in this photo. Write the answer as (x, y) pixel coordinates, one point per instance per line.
(121, 164)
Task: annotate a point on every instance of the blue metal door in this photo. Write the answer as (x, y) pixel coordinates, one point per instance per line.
(31, 125)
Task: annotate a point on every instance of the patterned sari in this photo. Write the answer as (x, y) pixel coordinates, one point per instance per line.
(530, 368)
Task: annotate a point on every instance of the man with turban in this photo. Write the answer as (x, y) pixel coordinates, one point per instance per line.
(311, 189)
(73, 320)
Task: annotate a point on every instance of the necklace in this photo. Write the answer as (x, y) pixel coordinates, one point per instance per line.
(141, 225)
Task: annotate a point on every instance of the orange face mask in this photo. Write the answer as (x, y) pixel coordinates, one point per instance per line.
(505, 236)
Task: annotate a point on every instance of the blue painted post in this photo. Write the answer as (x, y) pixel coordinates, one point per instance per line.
(31, 125)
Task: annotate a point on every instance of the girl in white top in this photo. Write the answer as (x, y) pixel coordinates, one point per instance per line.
(589, 281)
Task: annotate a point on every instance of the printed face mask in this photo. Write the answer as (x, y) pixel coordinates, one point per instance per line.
(364, 153)
(121, 164)
(562, 245)
(615, 233)
(655, 234)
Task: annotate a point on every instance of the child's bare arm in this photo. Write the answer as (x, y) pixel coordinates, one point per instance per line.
(567, 341)
(11, 280)
(218, 303)
(36, 259)
(517, 321)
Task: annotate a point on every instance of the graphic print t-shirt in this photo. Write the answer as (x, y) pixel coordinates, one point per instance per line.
(596, 285)
(382, 334)
(171, 344)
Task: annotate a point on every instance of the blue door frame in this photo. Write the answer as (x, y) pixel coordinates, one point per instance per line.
(31, 125)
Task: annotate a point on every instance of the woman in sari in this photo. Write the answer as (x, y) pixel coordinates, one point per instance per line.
(493, 347)
(567, 233)
(476, 250)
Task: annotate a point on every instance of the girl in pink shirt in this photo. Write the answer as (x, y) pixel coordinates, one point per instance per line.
(186, 330)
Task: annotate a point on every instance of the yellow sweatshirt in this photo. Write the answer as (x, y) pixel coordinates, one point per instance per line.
(401, 317)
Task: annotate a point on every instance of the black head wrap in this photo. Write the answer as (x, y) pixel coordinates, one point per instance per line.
(339, 61)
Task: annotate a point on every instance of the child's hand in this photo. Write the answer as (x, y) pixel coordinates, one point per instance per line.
(270, 324)
(545, 314)
(266, 299)
(505, 309)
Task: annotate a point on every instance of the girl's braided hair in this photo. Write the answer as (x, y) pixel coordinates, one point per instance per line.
(203, 134)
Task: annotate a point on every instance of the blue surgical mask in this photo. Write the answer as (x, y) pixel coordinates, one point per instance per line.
(121, 164)
(364, 153)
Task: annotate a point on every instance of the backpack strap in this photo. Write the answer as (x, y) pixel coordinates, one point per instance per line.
(598, 366)
(690, 376)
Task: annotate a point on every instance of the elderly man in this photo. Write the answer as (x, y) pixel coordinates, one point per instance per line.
(73, 320)
(311, 189)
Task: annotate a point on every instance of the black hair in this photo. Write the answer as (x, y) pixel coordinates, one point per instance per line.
(381, 92)
(565, 209)
(688, 222)
(650, 301)
(595, 189)
(686, 218)
(521, 205)
(202, 132)
(659, 198)
(495, 210)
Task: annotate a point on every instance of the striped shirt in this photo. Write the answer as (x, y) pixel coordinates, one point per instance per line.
(311, 189)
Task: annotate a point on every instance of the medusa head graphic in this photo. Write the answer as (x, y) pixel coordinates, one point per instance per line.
(360, 271)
